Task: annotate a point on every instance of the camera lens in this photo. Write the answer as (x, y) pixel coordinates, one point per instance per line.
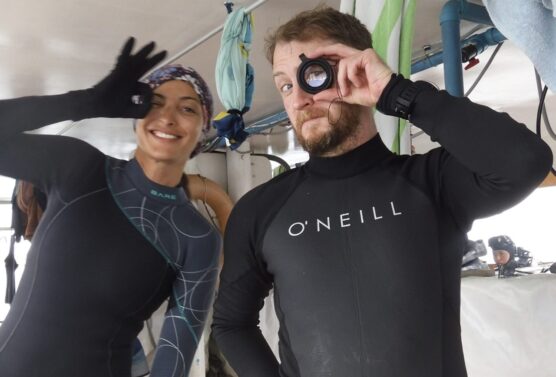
(314, 75)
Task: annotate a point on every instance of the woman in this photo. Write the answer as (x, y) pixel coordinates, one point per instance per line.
(118, 237)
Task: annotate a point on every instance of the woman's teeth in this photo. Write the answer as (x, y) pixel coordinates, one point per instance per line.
(164, 135)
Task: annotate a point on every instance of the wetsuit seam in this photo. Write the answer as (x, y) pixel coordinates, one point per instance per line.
(154, 293)
(131, 314)
(355, 287)
(109, 350)
(286, 333)
(59, 196)
(139, 186)
(398, 173)
(363, 170)
(109, 184)
(259, 243)
(300, 179)
(178, 218)
(36, 269)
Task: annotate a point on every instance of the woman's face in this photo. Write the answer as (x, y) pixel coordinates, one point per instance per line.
(173, 126)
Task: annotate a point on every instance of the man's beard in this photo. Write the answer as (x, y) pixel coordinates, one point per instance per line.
(339, 132)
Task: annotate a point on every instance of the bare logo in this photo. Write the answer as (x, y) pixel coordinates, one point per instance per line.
(344, 220)
(162, 195)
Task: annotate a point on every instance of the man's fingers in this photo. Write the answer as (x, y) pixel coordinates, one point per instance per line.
(354, 75)
(341, 76)
(326, 95)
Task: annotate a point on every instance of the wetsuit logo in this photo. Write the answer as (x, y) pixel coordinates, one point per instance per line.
(163, 195)
(345, 220)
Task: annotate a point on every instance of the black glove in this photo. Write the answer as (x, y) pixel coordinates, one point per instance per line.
(120, 94)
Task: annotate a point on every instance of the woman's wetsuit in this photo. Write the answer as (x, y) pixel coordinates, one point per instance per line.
(110, 248)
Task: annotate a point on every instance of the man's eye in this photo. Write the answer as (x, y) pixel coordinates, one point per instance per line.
(285, 88)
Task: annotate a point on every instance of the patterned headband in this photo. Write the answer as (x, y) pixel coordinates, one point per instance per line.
(178, 72)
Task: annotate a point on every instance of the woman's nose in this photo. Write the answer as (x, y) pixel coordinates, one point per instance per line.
(167, 115)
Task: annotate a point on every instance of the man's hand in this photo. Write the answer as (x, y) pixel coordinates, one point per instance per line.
(113, 97)
(361, 75)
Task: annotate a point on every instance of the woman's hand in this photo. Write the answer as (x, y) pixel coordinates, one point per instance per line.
(113, 97)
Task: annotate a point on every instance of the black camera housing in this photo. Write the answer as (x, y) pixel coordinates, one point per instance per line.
(305, 68)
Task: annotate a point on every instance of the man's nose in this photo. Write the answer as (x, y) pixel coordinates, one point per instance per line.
(301, 98)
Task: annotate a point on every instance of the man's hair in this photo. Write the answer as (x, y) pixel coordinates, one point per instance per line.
(321, 22)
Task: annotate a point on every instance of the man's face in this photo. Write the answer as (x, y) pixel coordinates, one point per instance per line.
(320, 126)
(501, 256)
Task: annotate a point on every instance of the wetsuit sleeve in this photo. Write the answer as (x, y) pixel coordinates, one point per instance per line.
(244, 283)
(190, 302)
(111, 97)
(29, 113)
(40, 159)
(488, 162)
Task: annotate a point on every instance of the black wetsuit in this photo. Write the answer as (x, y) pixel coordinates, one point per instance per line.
(110, 248)
(364, 250)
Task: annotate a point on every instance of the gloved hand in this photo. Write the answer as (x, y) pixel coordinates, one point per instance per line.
(120, 94)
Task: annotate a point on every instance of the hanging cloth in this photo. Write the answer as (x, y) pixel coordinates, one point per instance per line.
(234, 77)
(11, 266)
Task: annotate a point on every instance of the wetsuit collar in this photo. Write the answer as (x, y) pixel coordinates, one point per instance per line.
(351, 163)
(170, 195)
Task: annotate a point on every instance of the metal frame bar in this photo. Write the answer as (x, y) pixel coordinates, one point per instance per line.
(481, 41)
(201, 40)
(450, 19)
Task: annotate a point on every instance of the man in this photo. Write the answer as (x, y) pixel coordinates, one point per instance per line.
(364, 247)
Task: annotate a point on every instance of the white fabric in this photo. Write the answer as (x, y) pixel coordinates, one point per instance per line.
(269, 323)
(549, 4)
(530, 25)
(509, 326)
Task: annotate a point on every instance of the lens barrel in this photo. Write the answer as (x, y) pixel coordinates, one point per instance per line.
(314, 75)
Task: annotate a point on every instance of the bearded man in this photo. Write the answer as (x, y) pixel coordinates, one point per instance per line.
(364, 247)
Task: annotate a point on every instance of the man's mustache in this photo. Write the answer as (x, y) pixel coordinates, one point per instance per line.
(304, 116)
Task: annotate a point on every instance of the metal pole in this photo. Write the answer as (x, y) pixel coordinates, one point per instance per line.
(201, 40)
(450, 18)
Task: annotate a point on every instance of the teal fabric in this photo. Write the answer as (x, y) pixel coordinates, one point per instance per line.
(531, 26)
(234, 76)
(232, 81)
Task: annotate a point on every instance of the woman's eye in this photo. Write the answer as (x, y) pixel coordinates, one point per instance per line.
(187, 109)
